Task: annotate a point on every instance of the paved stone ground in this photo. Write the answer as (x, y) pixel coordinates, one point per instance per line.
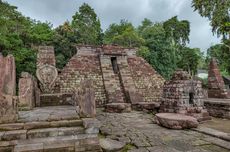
(51, 113)
(141, 134)
(217, 123)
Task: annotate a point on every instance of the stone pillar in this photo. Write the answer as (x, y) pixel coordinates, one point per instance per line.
(8, 100)
(216, 87)
(28, 91)
(7, 75)
(85, 98)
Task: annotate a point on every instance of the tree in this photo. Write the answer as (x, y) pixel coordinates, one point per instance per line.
(217, 12)
(160, 53)
(221, 53)
(190, 59)
(123, 34)
(41, 33)
(64, 42)
(177, 30)
(87, 26)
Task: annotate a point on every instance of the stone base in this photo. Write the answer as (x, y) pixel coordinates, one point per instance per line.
(176, 121)
(50, 129)
(218, 107)
(146, 106)
(202, 116)
(56, 99)
(118, 107)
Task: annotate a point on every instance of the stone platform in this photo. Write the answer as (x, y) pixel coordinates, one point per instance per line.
(140, 133)
(50, 129)
(176, 121)
(218, 107)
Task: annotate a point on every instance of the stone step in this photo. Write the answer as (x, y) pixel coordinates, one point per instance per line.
(73, 143)
(40, 124)
(56, 99)
(40, 133)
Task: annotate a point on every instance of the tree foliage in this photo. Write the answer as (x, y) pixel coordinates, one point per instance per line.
(178, 30)
(87, 26)
(123, 34)
(217, 11)
(221, 53)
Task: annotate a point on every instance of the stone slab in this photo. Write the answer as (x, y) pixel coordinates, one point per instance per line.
(176, 121)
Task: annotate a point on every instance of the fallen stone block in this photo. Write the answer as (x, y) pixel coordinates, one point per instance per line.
(109, 145)
(176, 121)
(118, 107)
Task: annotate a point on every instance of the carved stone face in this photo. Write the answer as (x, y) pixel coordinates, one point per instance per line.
(47, 75)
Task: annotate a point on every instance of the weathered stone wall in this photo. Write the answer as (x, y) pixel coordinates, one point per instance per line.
(216, 86)
(84, 65)
(147, 81)
(46, 56)
(218, 107)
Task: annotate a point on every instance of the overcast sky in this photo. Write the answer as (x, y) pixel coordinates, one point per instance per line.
(110, 11)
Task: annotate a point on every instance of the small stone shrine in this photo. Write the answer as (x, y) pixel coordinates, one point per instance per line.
(184, 95)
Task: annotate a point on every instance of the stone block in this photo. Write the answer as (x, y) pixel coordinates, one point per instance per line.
(36, 147)
(8, 109)
(176, 121)
(118, 107)
(91, 125)
(14, 135)
(26, 91)
(85, 98)
(11, 126)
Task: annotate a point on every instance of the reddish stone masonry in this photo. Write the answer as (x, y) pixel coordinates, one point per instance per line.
(117, 74)
(184, 95)
(216, 86)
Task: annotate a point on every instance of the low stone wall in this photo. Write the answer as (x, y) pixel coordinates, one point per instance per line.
(218, 107)
(56, 99)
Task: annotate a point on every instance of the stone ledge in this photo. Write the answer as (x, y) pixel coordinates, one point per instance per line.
(118, 107)
(148, 106)
(40, 124)
(213, 132)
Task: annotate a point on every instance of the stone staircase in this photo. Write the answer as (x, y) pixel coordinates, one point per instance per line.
(50, 135)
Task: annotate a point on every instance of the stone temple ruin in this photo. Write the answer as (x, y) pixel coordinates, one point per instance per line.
(120, 78)
(218, 101)
(184, 95)
(56, 110)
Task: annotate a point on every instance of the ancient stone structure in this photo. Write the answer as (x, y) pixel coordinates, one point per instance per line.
(184, 95)
(85, 98)
(219, 108)
(46, 70)
(119, 77)
(216, 86)
(29, 93)
(8, 100)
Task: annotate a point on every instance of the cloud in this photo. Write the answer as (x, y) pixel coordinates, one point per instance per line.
(111, 11)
